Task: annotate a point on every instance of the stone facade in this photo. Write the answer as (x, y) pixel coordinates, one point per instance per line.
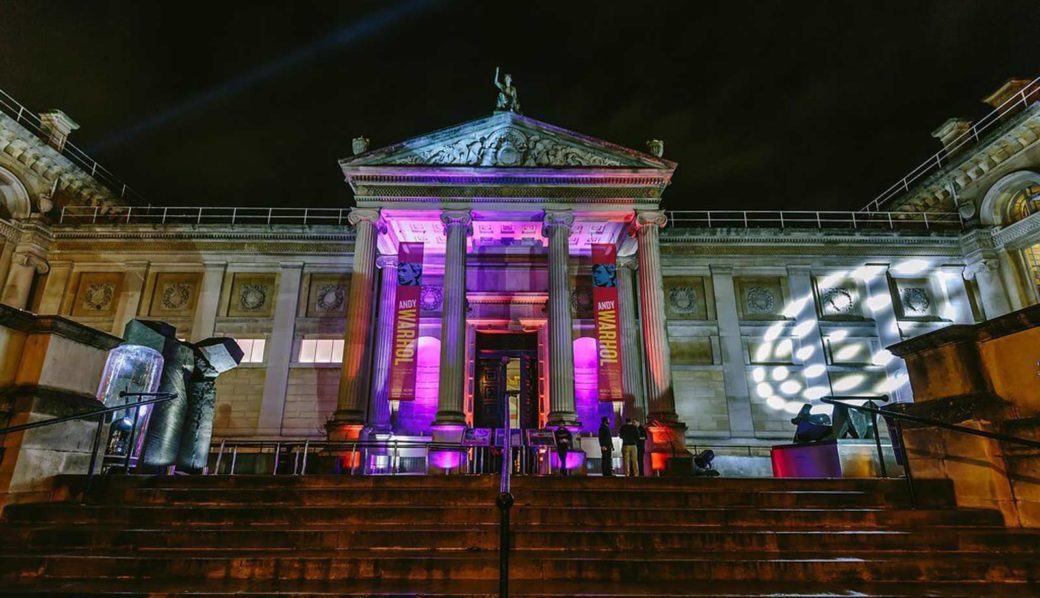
(757, 319)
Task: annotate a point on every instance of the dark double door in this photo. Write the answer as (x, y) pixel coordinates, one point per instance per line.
(506, 378)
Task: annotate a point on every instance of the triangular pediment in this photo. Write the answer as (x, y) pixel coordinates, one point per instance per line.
(507, 140)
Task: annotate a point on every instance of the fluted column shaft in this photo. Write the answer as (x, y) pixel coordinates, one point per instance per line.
(452, 390)
(631, 351)
(660, 395)
(357, 353)
(557, 227)
(379, 416)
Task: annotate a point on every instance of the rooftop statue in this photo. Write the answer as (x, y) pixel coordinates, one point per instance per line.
(507, 98)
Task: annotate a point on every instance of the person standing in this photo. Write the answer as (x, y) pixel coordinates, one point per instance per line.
(564, 440)
(641, 446)
(606, 448)
(629, 434)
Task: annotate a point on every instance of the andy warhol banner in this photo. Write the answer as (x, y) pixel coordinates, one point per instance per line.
(605, 304)
(406, 322)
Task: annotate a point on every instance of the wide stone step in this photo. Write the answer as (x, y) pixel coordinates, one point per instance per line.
(161, 588)
(345, 565)
(108, 539)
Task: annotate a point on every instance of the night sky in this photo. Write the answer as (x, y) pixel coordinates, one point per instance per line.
(764, 105)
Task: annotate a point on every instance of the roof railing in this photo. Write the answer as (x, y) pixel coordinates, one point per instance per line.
(30, 120)
(210, 215)
(1023, 98)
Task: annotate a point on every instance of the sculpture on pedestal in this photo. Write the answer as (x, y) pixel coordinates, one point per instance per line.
(507, 97)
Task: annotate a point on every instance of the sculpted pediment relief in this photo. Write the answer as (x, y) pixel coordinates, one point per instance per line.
(506, 141)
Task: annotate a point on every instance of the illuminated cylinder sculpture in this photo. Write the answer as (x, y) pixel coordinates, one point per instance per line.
(130, 368)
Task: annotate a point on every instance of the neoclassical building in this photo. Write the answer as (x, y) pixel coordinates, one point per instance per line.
(728, 321)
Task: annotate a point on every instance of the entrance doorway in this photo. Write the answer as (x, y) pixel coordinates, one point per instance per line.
(506, 378)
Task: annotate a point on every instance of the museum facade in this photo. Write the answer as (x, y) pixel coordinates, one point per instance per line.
(727, 322)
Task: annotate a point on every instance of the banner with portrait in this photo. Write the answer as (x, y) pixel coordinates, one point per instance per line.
(404, 357)
(605, 308)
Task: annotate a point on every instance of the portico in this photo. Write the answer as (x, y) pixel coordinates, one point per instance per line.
(506, 210)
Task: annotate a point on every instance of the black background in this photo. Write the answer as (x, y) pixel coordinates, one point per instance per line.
(764, 105)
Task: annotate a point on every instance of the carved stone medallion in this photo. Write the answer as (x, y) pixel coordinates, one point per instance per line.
(98, 297)
(683, 299)
(330, 297)
(581, 302)
(431, 297)
(760, 300)
(175, 296)
(837, 301)
(252, 297)
(915, 301)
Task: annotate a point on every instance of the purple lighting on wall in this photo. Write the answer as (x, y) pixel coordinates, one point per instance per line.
(586, 379)
(415, 417)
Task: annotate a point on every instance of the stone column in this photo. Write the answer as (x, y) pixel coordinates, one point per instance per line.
(57, 286)
(557, 227)
(986, 272)
(379, 416)
(205, 322)
(880, 303)
(959, 309)
(734, 370)
(631, 349)
(279, 350)
(452, 390)
(660, 394)
(348, 420)
(24, 266)
(129, 296)
(6, 255)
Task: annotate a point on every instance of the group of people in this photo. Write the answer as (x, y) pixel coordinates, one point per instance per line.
(633, 447)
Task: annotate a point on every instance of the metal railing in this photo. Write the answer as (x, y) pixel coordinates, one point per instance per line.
(1027, 95)
(30, 120)
(818, 219)
(206, 215)
(895, 421)
(101, 414)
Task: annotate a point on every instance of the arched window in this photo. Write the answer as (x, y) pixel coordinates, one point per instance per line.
(14, 199)
(1023, 203)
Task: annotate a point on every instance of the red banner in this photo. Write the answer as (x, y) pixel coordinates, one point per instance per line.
(406, 322)
(608, 336)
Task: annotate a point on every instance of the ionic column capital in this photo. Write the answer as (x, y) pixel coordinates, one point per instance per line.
(359, 215)
(649, 219)
(31, 260)
(557, 219)
(387, 262)
(987, 265)
(630, 262)
(450, 218)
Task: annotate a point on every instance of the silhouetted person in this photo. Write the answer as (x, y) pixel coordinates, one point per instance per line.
(641, 446)
(629, 434)
(564, 440)
(606, 447)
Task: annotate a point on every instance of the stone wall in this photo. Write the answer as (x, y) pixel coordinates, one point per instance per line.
(239, 395)
(310, 401)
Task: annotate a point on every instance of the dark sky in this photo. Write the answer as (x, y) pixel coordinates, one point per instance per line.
(764, 105)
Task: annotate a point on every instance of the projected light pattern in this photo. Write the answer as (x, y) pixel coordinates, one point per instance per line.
(789, 373)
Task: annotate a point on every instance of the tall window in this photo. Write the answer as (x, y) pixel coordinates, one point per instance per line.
(321, 350)
(252, 348)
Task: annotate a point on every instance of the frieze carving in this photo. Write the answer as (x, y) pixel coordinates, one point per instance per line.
(915, 301)
(837, 300)
(330, 297)
(431, 298)
(98, 296)
(175, 296)
(759, 300)
(507, 146)
(252, 297)
(683, 299)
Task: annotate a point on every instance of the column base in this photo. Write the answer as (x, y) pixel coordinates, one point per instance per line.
(668, 454)
(345, 426)
(448, 458)
(568, 419)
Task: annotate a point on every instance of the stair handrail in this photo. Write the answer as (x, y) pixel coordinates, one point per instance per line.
(157, 397)
(504, 501)
(900, 446)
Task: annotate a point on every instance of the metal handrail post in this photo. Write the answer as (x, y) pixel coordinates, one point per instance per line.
(906, 464)
(504, 501)
(93, 457)
(130, 440)
(277, 453)
(306, 448)
(877, 442)
(220, 455)
(234, 459)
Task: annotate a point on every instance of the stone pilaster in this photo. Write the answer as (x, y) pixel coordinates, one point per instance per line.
(799, 281)
(56, 289)
(631, 348)
(279, 350)
(734, 372)
(959, 308)
(379, 415)
(986, 272)
(134, 277)
(348, 419)
(205, 322)
(556, 226)
(883, 308)
(24, 266)
(452, 391)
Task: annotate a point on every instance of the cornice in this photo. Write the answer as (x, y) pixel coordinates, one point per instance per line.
(792, 237)
(208, 233)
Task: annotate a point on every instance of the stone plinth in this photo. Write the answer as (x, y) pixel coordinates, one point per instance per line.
(981, 376)
(49, 367)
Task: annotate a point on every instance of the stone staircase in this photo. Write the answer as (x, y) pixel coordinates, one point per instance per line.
(327, 535)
